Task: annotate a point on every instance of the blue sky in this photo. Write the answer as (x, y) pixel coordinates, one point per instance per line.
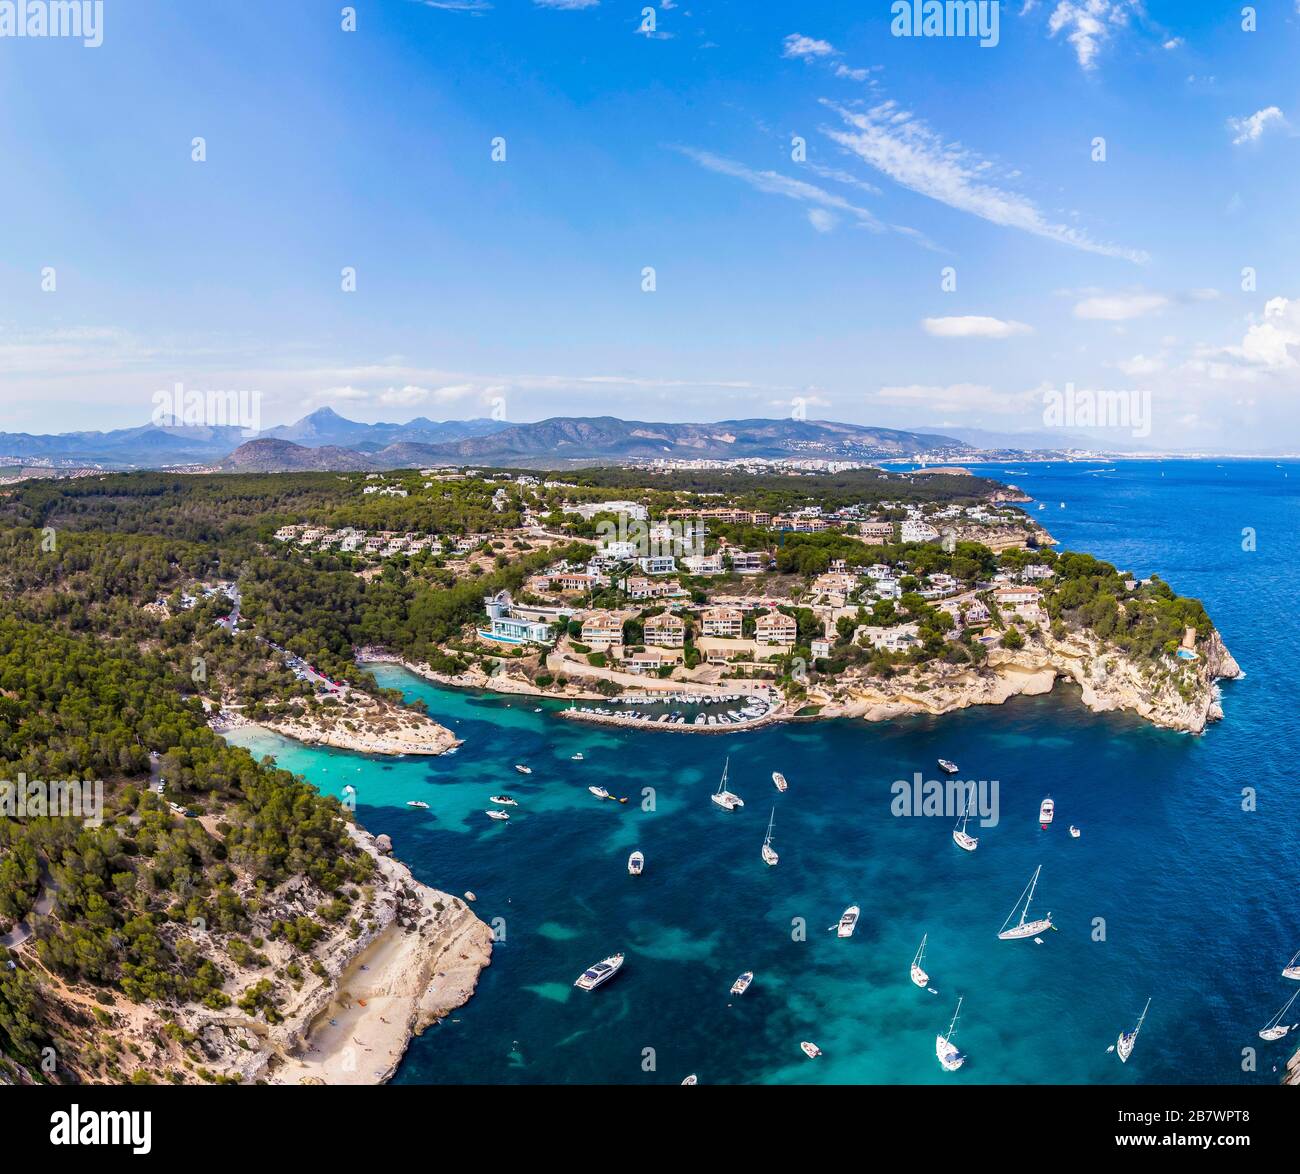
(778, 281)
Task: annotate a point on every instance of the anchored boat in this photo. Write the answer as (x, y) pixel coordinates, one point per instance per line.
(848, 922)
(494, 814)
(417, 803)
(779, 779)
(1124, 1045)
(769, 853)
(1046, 812)
(950, 1059)
(1024, 928)
(1292, 968)
(810, 1049)
(504, 800)
(724, 798)
(602, 972)
(635, 863)
(919, 976)
(949, 767)
(523, 770)
(741, 985)
(1275, 1028)
(959, 834)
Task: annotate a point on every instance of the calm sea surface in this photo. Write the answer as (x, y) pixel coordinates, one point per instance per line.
(1196, 897)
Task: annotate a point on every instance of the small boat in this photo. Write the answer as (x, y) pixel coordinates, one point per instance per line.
(635, 863)
(575, 757)
(1275, 1028)
(523, 770)
(1074, 832)
(1046, 812)
(960, 836)
(599, 792)
(1124, 1045)
(769, 853)
(691, 1079)
(810, 1049)
(600, 973)
(919, 976)
(1023, 928)
(741, 985)
(1292, 968)
(779, 779)
(417, 803)
(724, 798)
(494, 814)
(949, 767)
(848, 922)
(470, 895)
(504, 800)
(950, 1059)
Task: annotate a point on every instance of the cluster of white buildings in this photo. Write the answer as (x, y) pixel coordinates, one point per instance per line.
(383, 544)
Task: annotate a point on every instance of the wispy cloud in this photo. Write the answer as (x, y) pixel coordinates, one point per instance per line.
(1248, 130)
(1120, 307)
(774, 183)
(806, 48)
(567, 5)
(458, 5)
(973, 326)
(1088, 24)
(903, 147)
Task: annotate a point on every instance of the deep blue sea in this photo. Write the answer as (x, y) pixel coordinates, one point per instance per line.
(1197, 896)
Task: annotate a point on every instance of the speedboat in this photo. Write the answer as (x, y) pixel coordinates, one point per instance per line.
(691, 1079)
(810, 1049)
(504, 800)
(779, 779)
(1074, 832)
(494, 814)
(1046, 812)
(848, 922)
(948, 767)
(600, 973)
(635, 863)
(523, 770)
(575, 757)
(417, 803)
(741, 985)
(599, 792)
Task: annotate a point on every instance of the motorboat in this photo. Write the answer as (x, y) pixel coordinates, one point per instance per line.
(600, 973)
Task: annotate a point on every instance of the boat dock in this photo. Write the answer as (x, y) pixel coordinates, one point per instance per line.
(747, 712)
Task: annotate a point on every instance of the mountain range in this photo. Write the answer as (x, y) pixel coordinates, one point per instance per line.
(324, 440)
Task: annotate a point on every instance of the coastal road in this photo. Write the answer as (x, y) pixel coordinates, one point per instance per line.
(42, 908)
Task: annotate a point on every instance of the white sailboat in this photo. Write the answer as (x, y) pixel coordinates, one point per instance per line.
(950, 1059)
(959, 834)
(724, 798)
(1276, 1029)
(919, 976)
(769, 853)
(1124, 1045)
(1023, 928)
(1292, 968)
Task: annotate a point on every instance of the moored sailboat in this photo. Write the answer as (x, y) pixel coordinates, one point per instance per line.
(1124, 1045)
(960, 837)
(945, 1050)
(1275, 1028)
(1024, 928)
(724, 798)
(919, 976)
(769, 853)
(1292, 968)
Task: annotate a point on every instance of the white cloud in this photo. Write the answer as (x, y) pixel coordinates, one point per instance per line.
(572, 5)
(1141, 365)
(458, 5)
(821, 220)
(1271, 343)
(1089, 23)
(1174, 43)
(1248, 130)
(973, 326)
(774, 183)
(806, 48)
(1119, 307)
(857, 75)
(904, 148)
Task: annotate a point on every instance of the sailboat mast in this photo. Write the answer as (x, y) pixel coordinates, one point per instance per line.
(1028, 900)
(952, 1027)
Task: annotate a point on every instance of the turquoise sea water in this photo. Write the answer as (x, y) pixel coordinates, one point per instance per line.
(1198, 897)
